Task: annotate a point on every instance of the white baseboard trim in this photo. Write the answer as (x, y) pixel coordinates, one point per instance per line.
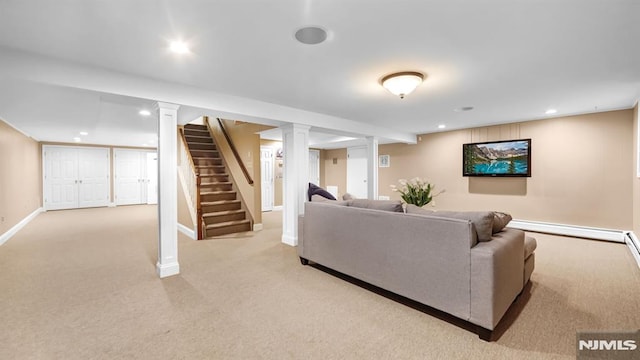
(634, 246)
(112, 204)
(289, 240)
(257, 227)
(7, 235)
(569, 230)
(277, 208)
(187, 231)
(165, 270)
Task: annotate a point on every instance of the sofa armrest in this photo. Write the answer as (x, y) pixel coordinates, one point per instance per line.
(497, 269)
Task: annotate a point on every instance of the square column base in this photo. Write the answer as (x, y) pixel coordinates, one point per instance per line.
(165, 270)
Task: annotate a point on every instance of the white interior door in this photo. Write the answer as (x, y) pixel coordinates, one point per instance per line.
(60, 178)
(357, 171)
(93, 177)
(314, 166)
(266, 167)
(152, 178)
(128, 177)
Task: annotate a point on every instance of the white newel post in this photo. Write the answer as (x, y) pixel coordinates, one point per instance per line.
(295, 142)
(372, 167)
(167, 184)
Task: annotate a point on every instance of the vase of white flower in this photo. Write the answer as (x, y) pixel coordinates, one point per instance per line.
(416, 191)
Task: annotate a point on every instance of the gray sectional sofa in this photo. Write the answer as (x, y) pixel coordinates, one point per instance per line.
(432, 258)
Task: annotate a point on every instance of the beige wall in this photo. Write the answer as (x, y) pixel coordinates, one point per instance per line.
(634, 172)
(334, 174)
(247, 142)
(20, 176)
(184, 215)
(580, 170)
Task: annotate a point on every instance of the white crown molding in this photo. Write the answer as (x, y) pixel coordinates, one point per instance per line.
(18, 130)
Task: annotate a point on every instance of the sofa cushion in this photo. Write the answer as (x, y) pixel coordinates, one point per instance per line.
(530, 245)
(386, 205)
(482, 220)
(317, 190)
(500, 221)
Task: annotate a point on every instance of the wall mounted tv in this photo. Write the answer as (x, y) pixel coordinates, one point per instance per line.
(497, 158)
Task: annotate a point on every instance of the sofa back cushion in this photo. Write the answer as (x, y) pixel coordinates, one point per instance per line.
(482, 220)
(385, 205)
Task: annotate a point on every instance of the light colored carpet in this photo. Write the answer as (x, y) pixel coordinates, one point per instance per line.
(81, 284)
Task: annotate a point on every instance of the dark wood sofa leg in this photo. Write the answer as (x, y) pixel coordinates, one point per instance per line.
(484, 334)
(304, 261)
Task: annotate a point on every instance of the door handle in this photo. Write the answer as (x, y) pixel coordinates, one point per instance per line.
(76, 181)
(80, 181)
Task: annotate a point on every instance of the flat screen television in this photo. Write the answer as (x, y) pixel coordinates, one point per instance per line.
(497, 158)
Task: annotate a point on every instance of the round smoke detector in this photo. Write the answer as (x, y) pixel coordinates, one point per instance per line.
(311, 35)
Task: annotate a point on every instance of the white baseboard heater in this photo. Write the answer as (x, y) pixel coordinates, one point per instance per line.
(570, 230)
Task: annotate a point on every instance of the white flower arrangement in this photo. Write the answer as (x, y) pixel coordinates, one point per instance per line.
(416, 191)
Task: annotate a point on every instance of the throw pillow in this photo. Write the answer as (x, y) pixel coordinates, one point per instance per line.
(347, 196)
(385, 205)
(317, 190)
(500, 221)
(482, 220)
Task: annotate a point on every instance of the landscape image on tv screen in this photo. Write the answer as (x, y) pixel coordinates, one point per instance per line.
(500, 158)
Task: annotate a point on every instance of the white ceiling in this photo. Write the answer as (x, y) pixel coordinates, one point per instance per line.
(509, 59)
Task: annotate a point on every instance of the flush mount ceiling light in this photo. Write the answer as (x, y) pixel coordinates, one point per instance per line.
(179, 47)
(84, 133)
(402, 83)
(551, 111)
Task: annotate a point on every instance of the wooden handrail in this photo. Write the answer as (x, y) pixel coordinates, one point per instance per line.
(233, 149)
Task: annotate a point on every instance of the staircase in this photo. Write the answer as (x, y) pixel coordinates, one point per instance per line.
(222, 211)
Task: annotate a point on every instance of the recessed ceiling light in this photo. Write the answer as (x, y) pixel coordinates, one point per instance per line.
(442, 126)
(145, 144)
(464, 108)
(77, 139)
(179, 47)
(144, 112)
(551, 111)
(311, 35)
(84, 133)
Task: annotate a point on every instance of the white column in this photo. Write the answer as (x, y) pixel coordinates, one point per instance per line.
(167, 184)
(372, 167)
(295, 143)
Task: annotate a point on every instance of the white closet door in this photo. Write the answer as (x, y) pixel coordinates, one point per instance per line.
(266, 167)
(61, 178)
(93, 183)
(357, 172)
(128, 177)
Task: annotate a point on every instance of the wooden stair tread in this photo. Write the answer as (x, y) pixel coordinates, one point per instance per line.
(227, 223)
(215, 183)
(217, 192)
(222, 213)
(219, 202)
